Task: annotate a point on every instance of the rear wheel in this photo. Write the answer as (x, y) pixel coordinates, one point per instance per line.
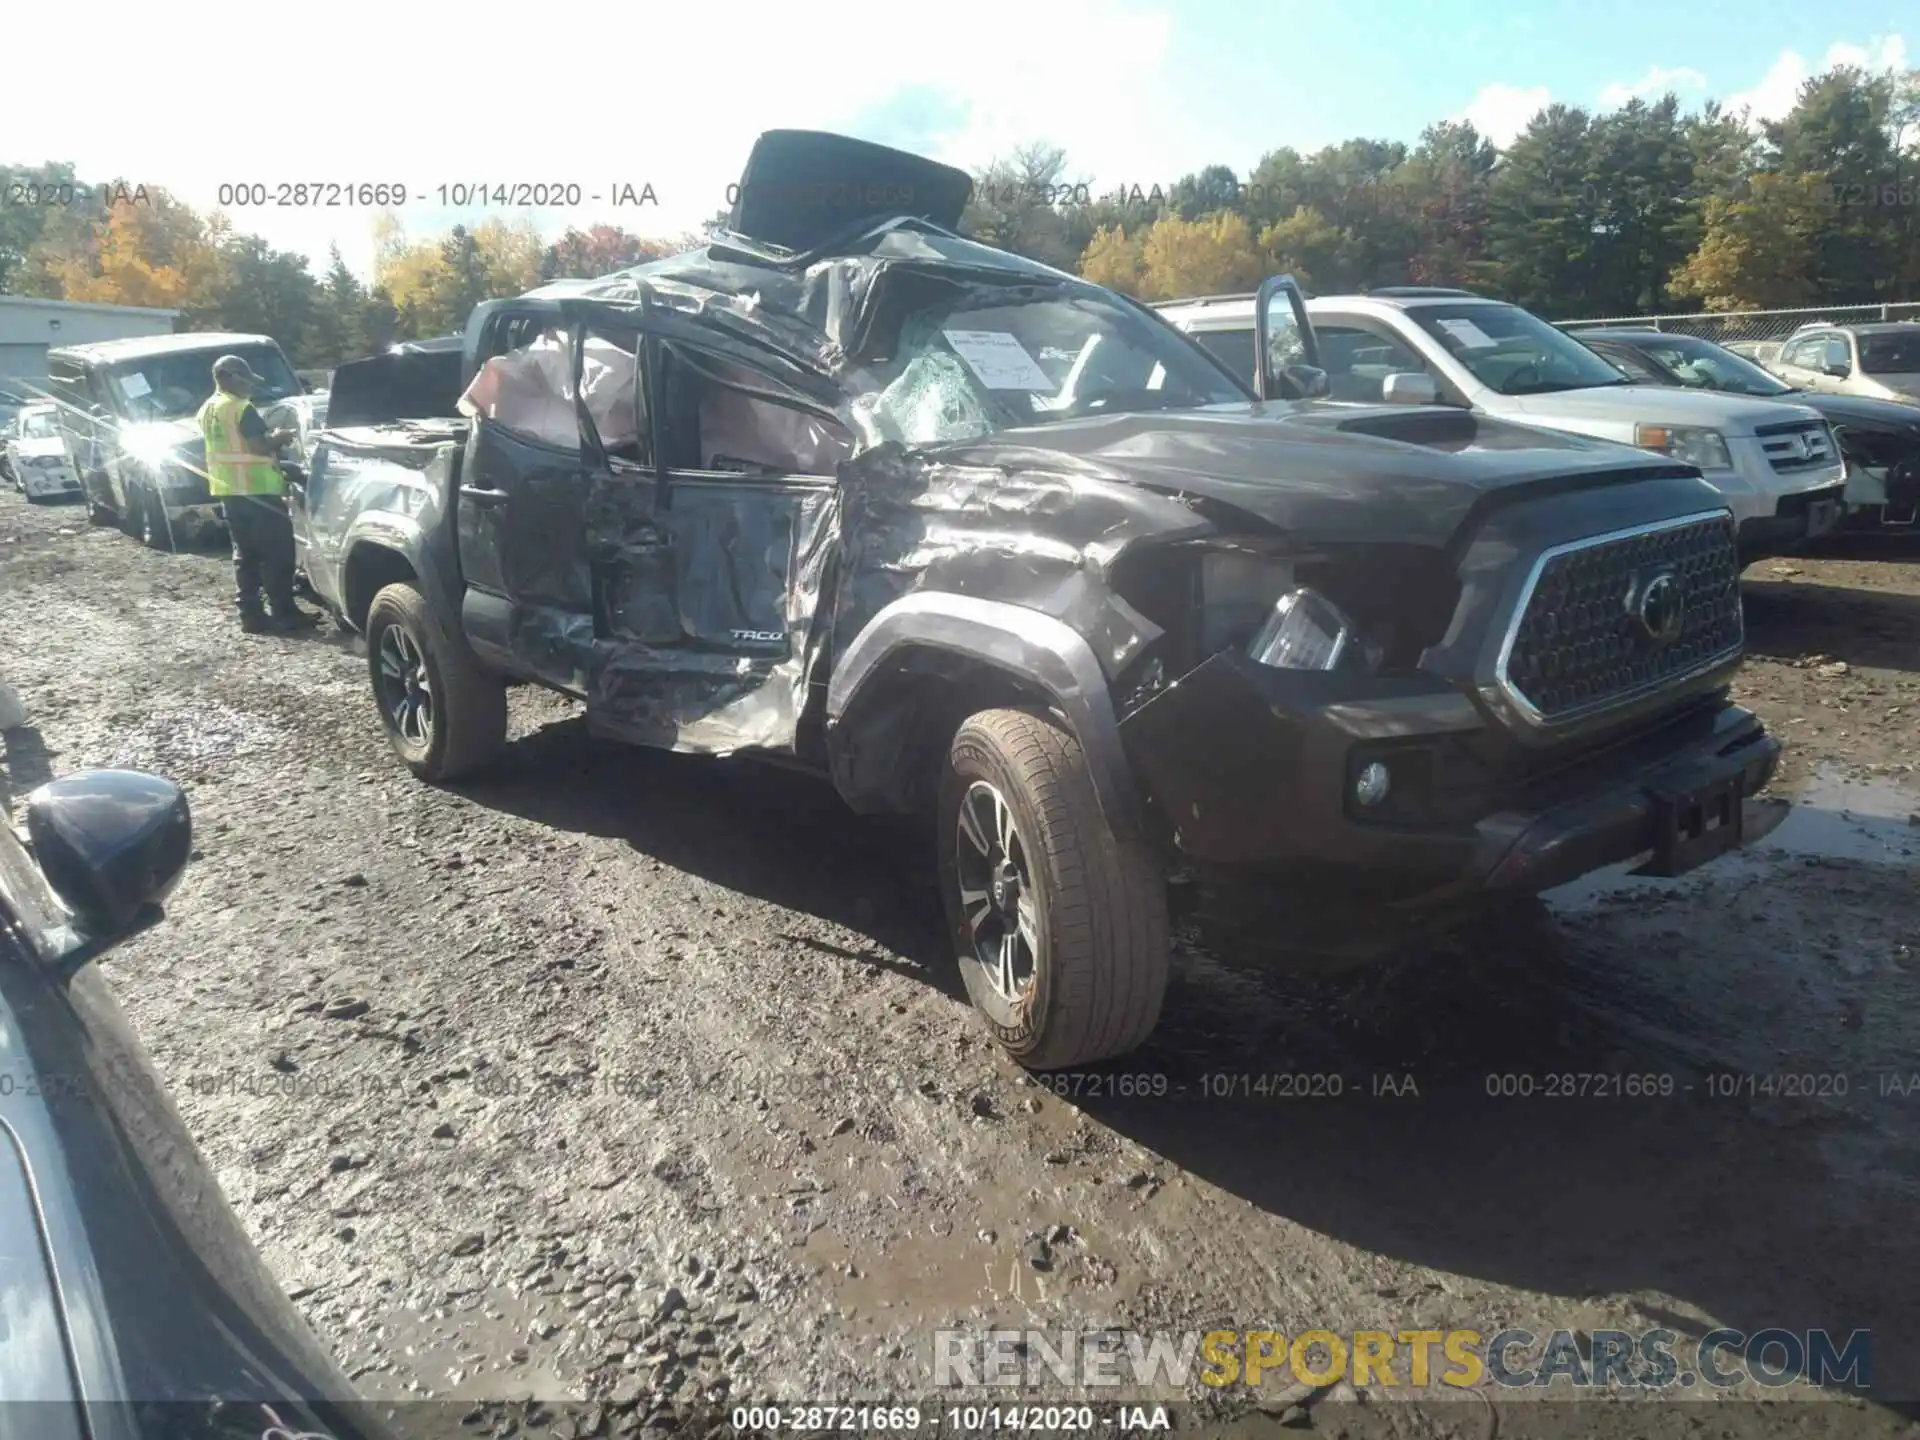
(444, 712)
(1060, 927)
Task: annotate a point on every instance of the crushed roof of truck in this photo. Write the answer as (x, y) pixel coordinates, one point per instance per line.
(811, 307)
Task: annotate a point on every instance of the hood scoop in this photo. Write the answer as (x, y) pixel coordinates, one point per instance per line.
(1442, 425)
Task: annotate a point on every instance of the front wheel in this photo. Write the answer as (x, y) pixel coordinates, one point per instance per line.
(156, 531)
(444, 712)
(1060, 927)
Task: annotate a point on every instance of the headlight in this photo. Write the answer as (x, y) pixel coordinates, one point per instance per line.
(149, 448)
(1705, 448)
(1306, 631)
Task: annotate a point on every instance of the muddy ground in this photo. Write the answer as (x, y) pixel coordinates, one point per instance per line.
(622, 1076)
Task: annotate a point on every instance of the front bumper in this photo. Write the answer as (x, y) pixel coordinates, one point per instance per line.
(1796, 519)
(1253, 770)
(38, 483)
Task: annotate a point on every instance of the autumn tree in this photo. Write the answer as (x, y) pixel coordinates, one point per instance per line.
(597, 250)
(1761, 248)
(1115, 259)
(153, 252)
(1213, 255)
(1309, 247)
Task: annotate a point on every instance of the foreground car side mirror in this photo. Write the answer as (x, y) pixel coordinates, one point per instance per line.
(112, 845)
(1409, 388)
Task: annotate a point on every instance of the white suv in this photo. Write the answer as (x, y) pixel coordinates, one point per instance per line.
(1880, 361)
(1777, 465)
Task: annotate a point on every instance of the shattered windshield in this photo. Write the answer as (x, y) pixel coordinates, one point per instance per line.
(966, 369)
(1514, 352)
(37, 424)
(176, 385)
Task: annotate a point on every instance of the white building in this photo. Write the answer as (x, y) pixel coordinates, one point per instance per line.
(29, 327)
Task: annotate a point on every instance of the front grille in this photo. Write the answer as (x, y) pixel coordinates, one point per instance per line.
(1797, 445)
(1582, 642)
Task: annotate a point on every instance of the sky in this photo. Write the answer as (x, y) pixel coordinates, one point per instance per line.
(669, 97)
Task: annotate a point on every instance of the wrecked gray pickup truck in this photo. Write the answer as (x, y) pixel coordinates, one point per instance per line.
(980, 540)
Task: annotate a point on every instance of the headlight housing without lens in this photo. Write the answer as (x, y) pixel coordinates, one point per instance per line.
(1693, 444)
(1306, 631)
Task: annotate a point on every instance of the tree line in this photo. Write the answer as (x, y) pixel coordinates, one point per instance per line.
(117, 244)
(1641, 210)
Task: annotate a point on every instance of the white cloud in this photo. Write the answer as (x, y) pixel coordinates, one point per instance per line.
(1501, 111)
(665, 95)
(1779, 88)
(1655, 83)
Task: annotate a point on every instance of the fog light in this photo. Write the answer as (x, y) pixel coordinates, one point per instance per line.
(1372, 786)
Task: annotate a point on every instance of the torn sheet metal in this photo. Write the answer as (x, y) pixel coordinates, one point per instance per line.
(712, 616)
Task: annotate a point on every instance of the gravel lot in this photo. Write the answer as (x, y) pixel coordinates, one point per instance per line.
(618, 1074)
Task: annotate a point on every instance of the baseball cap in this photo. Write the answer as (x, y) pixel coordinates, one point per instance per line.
(232, 367)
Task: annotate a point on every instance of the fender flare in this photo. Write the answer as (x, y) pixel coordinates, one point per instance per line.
(1025, 643)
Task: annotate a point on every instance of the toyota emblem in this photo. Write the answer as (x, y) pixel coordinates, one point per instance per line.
(1662, 607)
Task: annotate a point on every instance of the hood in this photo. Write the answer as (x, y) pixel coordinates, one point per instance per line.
(1663, 405)
(1863, 412)
(803, 187)
(37, 445)
(1334, 473)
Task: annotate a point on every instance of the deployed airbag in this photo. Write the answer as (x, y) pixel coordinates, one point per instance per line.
(530, 391)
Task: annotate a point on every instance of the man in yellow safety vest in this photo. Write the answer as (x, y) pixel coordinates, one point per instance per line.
(244, 476)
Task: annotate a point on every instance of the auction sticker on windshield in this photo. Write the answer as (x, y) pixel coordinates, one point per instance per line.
(1000, 361)
(134, 385)
(1469, 334)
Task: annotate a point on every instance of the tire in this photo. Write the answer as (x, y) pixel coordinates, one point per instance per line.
(1095, 934)
(463, 724)
(154, 530)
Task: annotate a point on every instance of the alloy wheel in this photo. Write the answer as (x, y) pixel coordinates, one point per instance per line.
(406, 689)
(997, 902)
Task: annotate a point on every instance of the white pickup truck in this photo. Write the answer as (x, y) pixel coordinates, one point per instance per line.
(1777, 465)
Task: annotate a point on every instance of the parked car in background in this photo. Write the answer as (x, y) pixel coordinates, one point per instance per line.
(129, 408)
(1877, 361)
(981, 541)
(34, 455)
(12, 402)
(1775, 464)
(1879, 439)
(135, 1304)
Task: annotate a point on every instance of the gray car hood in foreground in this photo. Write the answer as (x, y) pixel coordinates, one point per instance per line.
(1662, 405)
(1331, 472)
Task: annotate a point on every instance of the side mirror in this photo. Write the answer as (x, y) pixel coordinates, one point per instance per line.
(1309, 382)
(1409, 387)
(112, 845)
(1838, 372)
(1286, 357)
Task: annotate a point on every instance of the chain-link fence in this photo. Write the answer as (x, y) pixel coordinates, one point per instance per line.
(1755, 333)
